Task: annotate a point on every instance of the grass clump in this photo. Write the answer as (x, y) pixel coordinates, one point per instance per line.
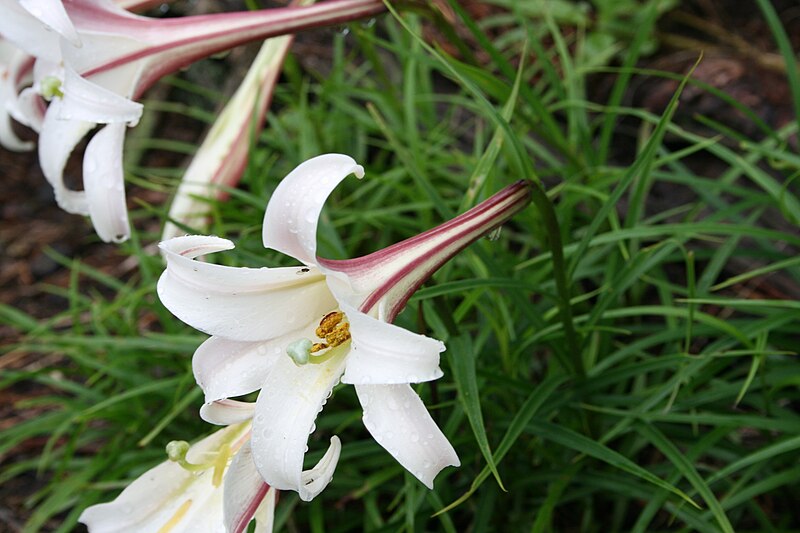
(622, 357)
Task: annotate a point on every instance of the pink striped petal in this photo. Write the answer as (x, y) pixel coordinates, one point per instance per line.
(244, 491)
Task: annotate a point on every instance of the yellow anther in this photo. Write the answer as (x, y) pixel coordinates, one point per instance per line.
(328, 323)
(339, 334)
(317, 346)
(335, 330)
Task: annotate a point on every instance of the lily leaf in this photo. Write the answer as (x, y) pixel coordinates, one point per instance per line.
(463, 364)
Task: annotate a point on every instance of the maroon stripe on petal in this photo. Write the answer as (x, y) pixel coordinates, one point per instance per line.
(454, 236)
(244, 519)
(375, 259)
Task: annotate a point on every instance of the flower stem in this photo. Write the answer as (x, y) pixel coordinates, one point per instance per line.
(574, 364)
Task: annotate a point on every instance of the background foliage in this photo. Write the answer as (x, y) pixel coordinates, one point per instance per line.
(669, 404)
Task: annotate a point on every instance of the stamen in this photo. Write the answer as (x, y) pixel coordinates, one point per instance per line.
(333, 328)
(220, 464)
(300, 351)
(328, 323)
(339, 334)
(318, 346)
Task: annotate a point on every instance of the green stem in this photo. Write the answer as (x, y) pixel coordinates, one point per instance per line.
(550, 220)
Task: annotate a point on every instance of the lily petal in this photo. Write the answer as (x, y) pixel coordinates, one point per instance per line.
(168, 495)
(287, 406)
(54, 16)
(28, 109)
(290, 223)
(84, 100)
(104, 183)
(27, 32)
(225, 369)
(13, 64)
(399, 421)
(227, 412)
(383, 353)
(244, 491)
(56, 141)
(249, 304)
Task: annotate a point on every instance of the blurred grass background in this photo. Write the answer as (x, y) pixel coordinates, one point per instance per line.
(672, 404)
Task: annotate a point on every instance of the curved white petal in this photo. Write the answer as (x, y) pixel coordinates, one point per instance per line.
(169, 495)
(84, 100)
(27, 32)
(8, 139)
(28, 109)
(399, 421)
(383, 353)
(54, 16)
(225, 369)
(243, 304)
(227, 412)
(57, 139)
(11, 60)
(104, 183)
(287, 406)
(290, 223)
(244, 491)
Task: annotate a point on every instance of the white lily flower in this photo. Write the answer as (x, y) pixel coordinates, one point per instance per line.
(295, 332)
(212, 487)
(110, 57)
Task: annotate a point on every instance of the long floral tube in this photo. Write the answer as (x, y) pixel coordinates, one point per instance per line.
(417, 258)
(170, 44)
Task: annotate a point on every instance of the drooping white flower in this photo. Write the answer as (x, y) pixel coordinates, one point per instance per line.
(99, 58)
(212, 487)
(295, 332)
